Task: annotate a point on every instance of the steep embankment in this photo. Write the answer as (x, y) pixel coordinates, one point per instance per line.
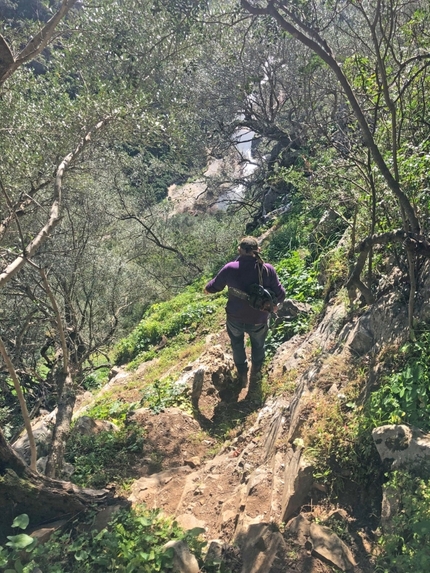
(268, 471)
(279, 476)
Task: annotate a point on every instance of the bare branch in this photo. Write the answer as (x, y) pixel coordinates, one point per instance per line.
(54, 216)
(9, 64)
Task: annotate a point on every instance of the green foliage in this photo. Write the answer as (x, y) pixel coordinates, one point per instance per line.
(405, 548)
(95, 379)
(132, 542)
(404, 396)
(5, 417)
(189, 310)
(290, 235)
(165, 393)
(12, 555)
(340, 444)
(105, 457)
(113, 410)
(299, 278)
(279, 333)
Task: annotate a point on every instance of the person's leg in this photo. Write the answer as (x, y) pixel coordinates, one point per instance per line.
(236, 333)
(257, 334)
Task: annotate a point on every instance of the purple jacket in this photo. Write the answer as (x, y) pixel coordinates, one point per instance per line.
(241, 274)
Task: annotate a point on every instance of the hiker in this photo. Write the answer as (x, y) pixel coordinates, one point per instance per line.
(243, 276)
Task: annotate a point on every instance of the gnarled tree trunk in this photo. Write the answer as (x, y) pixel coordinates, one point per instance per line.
(42, 498)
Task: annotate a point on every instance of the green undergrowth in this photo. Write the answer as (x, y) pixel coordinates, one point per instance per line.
(299, 276)
(404, 394)
(339, 443)
(405, 548)
(133, 542)
(105, 458)
(189, 312)
(164, 393)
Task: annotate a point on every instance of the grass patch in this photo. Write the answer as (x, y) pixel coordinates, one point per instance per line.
(190, 313)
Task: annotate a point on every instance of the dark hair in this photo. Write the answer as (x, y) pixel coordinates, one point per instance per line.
(249, 244)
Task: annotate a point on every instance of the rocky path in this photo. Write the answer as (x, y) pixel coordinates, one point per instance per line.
(256, 498)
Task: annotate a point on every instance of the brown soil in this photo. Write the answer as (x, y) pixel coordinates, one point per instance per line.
(186, 470)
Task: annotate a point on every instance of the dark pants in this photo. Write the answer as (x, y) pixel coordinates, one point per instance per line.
(257, 334)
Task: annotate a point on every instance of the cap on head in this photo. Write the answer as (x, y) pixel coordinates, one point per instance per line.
(249, 244)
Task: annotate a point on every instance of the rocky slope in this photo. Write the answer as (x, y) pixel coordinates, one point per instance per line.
(256, 498)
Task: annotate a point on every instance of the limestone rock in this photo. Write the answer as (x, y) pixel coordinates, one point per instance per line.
(299, 527)
(42, 432)
(197, 386)
(389, 508)
(405, 446)
(67, 469)
(188, 521)
(298, 482)
(329, 546)
(105, 515)
(193, 462)
(292, 308)
(214, 368)
(89, 427)
(183, 560)
(43, 534)
(114, 371)
(259, 545)
(214, 553)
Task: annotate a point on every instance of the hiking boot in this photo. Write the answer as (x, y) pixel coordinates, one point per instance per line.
(242, 378)
(256, 372)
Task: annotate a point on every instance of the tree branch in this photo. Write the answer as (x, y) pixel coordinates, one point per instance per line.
(9, 64)
(54, 216)
(22, 403)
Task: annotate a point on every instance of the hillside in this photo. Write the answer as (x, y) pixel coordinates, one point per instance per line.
(139, 141)
(284, 476)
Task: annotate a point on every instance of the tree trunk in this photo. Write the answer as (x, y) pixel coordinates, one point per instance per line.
(42, 498)
(66, 403)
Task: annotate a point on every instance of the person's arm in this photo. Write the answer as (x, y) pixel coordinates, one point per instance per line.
(218, 283)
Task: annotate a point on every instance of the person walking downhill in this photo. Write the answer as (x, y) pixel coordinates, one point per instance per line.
(254, 291)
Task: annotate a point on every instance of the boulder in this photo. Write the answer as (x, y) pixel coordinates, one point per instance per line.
(259, 546)
(326, 544)
(298, 478)
(43, 534)
(404, 446)
(183, 560)
(67, 469)
(299, 527)
(291, 308)
(87, 426)
(390, 506)
(42, 428)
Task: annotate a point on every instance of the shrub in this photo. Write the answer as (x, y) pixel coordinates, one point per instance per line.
(404, 396)
(299, 278)
(405, 548)
(132, 542)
